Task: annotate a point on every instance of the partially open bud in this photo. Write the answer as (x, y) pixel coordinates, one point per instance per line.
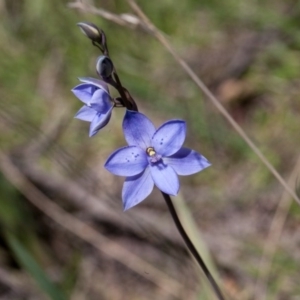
(90, 30)
(104, 66)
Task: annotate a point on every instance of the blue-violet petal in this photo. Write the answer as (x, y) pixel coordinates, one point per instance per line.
(99, 122)
(127, 161)
(86, 113)
(187, 162)
(136, 189)
(84, 92)
(138, 129)
(169, 137)
(100, 101)
(98, 83)
(165, 178)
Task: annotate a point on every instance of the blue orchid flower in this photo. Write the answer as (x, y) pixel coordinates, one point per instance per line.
(152, 157)
(98, 103)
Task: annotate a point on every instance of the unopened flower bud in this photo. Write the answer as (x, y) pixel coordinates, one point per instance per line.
(104, 66)
(90, 30)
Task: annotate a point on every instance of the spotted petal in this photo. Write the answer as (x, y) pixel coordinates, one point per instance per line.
(165, 178)
(138, 129)
(136, 189)
(187, 162)
(127, 161)
(169, 137)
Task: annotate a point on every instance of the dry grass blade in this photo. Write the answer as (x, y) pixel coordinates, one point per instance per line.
(122, 20)
(85, 232)
(145, 23)
(162, 39)
(275, 231)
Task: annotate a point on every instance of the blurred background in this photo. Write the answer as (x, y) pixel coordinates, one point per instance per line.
(63, 233)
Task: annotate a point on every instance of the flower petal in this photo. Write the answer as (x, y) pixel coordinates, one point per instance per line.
(187, 161)
(99, 83)
(169, 137)
(138, 129)
(127, 161)
(100, 101)
(99, 122)
(86, 113)
(84, 92)
(165, 178)
(136, 189)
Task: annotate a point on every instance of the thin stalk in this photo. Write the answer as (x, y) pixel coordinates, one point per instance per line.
(129, 103)
(191, 247)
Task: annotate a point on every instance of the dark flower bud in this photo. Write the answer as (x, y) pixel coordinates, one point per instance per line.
(104, 66)
(90, 30)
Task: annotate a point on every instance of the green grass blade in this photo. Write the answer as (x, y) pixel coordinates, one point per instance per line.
(194, 233)
(33, 268)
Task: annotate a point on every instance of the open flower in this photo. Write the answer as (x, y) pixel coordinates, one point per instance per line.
(98, 105)
(152, 157)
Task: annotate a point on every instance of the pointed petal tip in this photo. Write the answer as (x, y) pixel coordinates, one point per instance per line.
(73, 90)
(94, 81)
(92, 133)
(136, 189)
(175, 193)
(126, 207)
(187, 162)
(206, 163)
(129, 204)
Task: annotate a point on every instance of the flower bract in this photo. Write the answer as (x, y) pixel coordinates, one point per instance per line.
(97, 103)
(152, 157)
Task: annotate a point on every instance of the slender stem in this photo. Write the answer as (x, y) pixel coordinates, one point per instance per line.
(129, 103)
(114, 80)
(191, 247)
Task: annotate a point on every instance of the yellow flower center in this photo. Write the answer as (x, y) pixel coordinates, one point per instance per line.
(150, 151)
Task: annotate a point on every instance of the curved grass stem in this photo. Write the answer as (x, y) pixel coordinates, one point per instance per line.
(163, 40)
(192, 248)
